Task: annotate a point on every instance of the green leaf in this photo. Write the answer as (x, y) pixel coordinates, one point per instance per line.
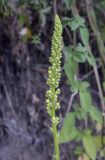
(66, 21)
(79, 54)
(70, 65)
(85, 99)
(79, 150)
(98, 141)
(75, 85)
(68, 131)
(68, 51)
(85, 84)
(91, 60)
(81, 48)
(74, 25)
(81, 21)
(80, 113)
(77, 22)
(69, 3)
(90, 146)
(79, 57)
(84, 35)
(70, 68)
(95, 114)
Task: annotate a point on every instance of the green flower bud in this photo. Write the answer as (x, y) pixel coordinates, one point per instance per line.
(54, 72)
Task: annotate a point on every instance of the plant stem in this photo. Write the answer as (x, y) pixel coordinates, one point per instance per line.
(56, 143)
(55, 133)
(55, 7)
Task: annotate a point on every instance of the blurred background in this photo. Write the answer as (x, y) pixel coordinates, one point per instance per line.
(26, 28)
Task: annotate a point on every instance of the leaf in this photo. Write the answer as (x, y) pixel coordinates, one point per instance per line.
(91, 60)
(69, 3)
(68, 131)
(98, 141)
(75, 85)
(95, 114)
(80, 53)
(79, 150)
(70, 68)
(80, 113)
(85, 99)
(81, 21)
(66, 136)
(84, 35)
(81, 48)
(79, 57)
(66, 21)
(74, 25)
(70, 65)
(90, 146)
(85, 84)
(68, 51)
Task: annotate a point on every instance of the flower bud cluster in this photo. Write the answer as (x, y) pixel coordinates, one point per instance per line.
(54, 71)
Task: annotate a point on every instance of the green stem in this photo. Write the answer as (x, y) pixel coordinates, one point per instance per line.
(56, 143)
(55, 133)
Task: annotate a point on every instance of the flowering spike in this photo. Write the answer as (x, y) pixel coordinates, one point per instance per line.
(54, 70)
(53, 81)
